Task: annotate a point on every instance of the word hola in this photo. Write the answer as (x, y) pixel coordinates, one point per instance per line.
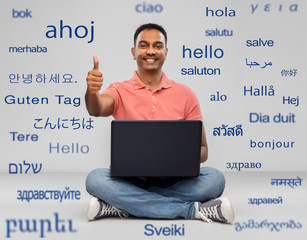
(21, 14)
(173, 230)
(218, 97)
(220, 12)
(148, 8)
(40, 226)
(290, 100)
(278, 118)
(13, 167)
(208, 52)
(269, 8)
(259, 43)
(80, 31)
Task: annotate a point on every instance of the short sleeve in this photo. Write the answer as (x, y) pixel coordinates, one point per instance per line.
(192, 108)
(113, 92)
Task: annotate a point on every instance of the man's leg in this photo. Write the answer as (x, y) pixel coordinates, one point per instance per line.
(123, 194)
(208, 185)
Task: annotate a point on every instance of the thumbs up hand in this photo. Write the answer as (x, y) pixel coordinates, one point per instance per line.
(94, 78)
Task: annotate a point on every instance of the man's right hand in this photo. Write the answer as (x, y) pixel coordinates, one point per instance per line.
(94, 78)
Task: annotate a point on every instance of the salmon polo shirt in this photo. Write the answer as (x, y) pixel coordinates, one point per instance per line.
(171, 101)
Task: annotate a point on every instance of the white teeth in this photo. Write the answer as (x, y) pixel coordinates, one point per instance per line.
(150, 60)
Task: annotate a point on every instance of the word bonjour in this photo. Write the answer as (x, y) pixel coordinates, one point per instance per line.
(271, 144)
(40, 226)
(61, 99)
(67, 194)
(278, 118)
(80, 31)
(13, 167)
(173, 230)
(265, 224)
(148, 8)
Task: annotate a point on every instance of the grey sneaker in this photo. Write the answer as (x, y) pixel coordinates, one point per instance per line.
(99, 209)
(218, 210)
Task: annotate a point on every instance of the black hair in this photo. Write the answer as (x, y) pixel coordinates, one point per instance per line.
(149, 26)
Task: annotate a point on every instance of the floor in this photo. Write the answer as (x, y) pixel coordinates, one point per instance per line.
(52, 219)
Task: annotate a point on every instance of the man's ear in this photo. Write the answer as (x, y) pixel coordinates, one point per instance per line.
(133, 52)
(166, 51)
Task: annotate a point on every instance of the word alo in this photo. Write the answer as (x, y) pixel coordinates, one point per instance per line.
(40, 226)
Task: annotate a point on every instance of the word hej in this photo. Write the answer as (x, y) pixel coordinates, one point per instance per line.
(60, 99)
(64, 31)
(13, 167)
(40, 226)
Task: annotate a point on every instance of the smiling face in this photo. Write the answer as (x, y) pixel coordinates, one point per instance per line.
(150, 50)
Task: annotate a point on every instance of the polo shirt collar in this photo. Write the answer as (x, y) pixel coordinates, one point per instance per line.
(138, 84)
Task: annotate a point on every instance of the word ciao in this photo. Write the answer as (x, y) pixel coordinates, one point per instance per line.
(220, 12)
(275, 7)
(13, 167)
(148, 8)
(240, 165)
(80, 31)
(61, 99)
(63, 123)
(67, 194)
(291, 182)
(21, 14)
(259, 201)
(228, 131)
(278, 118)
(265, 224)
(40, 226)
(173, 230)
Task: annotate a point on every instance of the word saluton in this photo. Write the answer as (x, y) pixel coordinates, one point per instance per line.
(80, 31)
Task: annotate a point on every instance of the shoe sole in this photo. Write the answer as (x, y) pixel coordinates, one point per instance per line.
(227, 210)
(92, 209)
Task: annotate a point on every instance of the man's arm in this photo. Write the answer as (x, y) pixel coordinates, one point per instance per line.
(96, 104)
(204, 147)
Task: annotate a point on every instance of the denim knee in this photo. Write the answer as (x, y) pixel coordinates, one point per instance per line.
(95, 179)
(217, 178)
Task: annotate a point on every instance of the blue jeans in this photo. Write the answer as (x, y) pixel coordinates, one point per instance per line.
(156, 198)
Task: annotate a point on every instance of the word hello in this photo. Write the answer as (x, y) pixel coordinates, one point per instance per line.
(80, 31)
(74, 148)
(173, 230)
(278, 118)
(208, 52)
(148, 8)
(21, 14)
(259, 43)
(40, 226)
(220, 13)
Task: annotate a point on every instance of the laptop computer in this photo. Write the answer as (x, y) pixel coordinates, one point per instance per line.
(155, 148)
